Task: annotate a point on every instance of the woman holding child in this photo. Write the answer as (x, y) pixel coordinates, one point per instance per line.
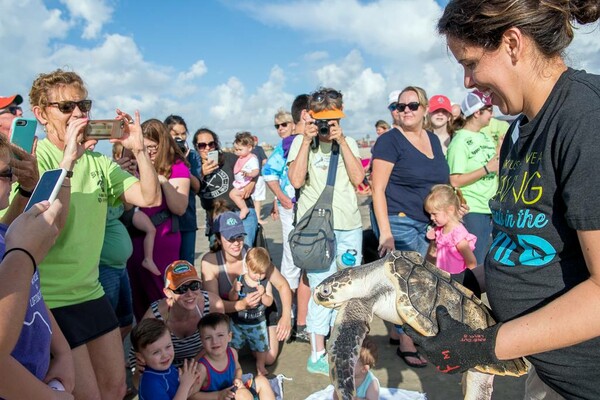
(226, 263)
(174, 177)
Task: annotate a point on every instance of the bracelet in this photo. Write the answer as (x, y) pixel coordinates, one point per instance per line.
(24, 193)
(65, 185)
(24, 251)
(486, 170)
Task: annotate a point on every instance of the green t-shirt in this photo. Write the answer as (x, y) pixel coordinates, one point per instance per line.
(496, 130)
(117, 247)
(467, 152)
(346, 215)
(69, 273)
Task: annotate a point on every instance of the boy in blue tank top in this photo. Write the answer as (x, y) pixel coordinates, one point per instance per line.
(151, 341)
(219, 370)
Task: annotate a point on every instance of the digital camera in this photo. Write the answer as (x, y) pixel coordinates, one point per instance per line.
(323, 126)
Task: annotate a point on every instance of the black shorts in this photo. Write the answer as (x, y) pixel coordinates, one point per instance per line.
(82, 323)
(272, 313)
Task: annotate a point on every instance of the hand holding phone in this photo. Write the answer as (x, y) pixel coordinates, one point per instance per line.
(213, 156)
(23, 133)
(47, 187)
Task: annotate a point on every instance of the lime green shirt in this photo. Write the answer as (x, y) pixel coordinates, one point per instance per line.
(467, 152)
(496, 130)
(346, 215)
(69, 273)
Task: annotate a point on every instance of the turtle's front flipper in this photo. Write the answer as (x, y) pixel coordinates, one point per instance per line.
(350, 328)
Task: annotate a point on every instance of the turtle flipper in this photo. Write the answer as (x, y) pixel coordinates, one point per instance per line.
(350, 328)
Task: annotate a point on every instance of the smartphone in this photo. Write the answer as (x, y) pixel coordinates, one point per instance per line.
(47, 187)
(213, 156)
(104, 129)
(23, 133)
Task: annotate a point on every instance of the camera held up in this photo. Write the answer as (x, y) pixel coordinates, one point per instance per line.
(323, 126)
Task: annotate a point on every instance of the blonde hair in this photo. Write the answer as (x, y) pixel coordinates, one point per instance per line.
(421, 95)
(368, 353)
(44, 83)
(283, 116)
(258, 260)
(443, 196)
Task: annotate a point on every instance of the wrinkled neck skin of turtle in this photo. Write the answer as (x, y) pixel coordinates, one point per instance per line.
(385, 307)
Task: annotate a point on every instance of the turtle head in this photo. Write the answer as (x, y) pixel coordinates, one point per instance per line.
(349, 283)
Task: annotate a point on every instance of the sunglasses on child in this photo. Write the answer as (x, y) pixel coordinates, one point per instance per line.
(412, 106)
(66, 107)
(202, 146)
(283, 125)
(11, 109)
(193, 286)
(320, 97)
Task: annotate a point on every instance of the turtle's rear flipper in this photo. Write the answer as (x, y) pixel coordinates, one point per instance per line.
(350, 329)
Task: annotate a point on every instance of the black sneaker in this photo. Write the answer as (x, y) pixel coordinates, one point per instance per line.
(302, 335)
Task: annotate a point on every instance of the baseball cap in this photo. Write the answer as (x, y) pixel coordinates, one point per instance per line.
(229, 225)
(180, 272)
(328, 114)
(487, 100)
(7, 101)
(440, 102)
(393, 96)
(471, 104)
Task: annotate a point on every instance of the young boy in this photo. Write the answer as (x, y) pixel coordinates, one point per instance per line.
(251, 325)
(152, 344)
(245, 169)
(220, 372)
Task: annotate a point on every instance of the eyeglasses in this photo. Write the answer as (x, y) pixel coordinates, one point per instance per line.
(11, 109)
(152, 147)
(239, 238)
(412, 106)
(283, 125)
(193, 286)
(68, 106)
(320, 97)
(202, 146)
(7, 173)
(488, 108)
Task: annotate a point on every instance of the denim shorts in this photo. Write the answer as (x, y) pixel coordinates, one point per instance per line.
(115, 282)
(409, 234)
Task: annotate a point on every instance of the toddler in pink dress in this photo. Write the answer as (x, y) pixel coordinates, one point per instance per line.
(245, 169)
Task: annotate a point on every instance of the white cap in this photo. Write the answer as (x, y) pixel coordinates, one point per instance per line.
(471, 104)
(393, 96)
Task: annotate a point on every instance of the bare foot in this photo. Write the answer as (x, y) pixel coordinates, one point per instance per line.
(261, 370)
(244, 213)
(148, 263)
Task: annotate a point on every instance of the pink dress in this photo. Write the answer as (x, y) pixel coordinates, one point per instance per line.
(449, 258)
(145, 286)
(244, 164)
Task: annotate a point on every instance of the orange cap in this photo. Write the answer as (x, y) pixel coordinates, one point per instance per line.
(327, 114)
(178, 273)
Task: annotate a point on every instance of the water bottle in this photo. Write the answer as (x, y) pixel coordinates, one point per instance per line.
(348, 259)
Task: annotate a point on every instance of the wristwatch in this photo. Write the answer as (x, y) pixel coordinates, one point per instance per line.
(69, 174)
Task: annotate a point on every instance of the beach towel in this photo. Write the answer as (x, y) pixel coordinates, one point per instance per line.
(384, 394)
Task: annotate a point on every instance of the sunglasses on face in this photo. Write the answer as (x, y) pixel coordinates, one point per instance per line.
(392, 107)
(412, 106)
(283, 125)
(68, 106)
(7, 173)
(202, 146)
(12, 109)
(193, 286)
(320, 97)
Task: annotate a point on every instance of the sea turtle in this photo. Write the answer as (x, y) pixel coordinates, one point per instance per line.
(400, 288)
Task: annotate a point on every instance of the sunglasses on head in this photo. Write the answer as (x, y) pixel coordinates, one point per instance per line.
(7, 173)
(320, 97)
(68, 106)
(412, 106)
(202, 146)
(283, 124)
(11, 109)
(193, 286)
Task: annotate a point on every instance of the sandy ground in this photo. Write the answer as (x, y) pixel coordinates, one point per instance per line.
(391, 371)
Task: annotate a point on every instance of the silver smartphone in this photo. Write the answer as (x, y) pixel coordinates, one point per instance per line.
(104, 129)
(213, 156)
(47, 187)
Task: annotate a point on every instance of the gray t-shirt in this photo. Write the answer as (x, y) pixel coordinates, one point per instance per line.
(549, 189)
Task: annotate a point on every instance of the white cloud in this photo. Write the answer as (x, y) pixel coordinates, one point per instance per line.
(197, 70)
(95, 13)
(316, 56)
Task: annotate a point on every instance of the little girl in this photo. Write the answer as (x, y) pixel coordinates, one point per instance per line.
(367, 385)
(245, 169)
(454, 245)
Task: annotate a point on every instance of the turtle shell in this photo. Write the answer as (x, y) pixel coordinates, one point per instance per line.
(421, 287)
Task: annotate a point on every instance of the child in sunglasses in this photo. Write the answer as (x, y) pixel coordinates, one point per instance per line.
(245, 169)
(251, 325)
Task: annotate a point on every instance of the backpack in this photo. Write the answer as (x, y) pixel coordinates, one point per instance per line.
(312, 241)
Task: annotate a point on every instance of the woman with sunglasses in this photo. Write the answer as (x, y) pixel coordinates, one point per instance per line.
(407, 162)
(473, 165)
(185, 303)
(222, 266)
(543, 267)
(174, 177)
(69, 274)
(217, 182)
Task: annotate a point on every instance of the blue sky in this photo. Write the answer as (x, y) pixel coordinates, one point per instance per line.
(230, 65)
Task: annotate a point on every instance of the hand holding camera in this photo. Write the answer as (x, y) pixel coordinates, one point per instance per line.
(329, 129)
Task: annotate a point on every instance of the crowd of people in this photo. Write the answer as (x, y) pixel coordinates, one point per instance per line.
(504, 210)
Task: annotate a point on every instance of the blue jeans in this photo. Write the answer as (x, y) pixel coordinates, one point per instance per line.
(480, 225)
(409, 234)
(187, 251)
(250, 226)
(115, 282)
(319, 318)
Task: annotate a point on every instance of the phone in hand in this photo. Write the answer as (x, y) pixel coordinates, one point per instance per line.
(213, 156)
(23, 133)
(104, 129)
(47, 187)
